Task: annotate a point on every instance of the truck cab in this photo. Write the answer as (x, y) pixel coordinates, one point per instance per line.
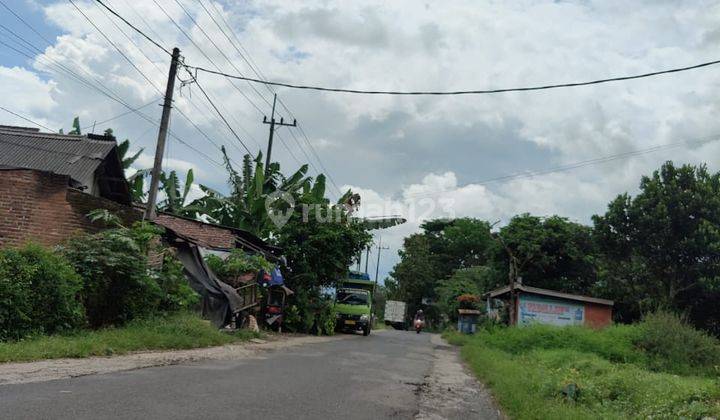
(353, 303)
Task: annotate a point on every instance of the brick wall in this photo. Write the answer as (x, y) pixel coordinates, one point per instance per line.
(597, 316)
(204, 234)
(39, 207)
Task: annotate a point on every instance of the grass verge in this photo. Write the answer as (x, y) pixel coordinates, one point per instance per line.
(172, 331)
(542, 372)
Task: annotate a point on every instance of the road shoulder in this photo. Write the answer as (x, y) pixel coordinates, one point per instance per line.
(450, 391)
(48, 370)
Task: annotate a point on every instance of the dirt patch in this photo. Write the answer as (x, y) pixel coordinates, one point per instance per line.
(450, 391)
(47, 370)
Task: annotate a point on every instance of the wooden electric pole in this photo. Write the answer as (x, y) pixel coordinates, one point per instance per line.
(162, 136)
(272, 124)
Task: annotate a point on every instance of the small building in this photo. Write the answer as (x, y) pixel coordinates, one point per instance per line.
(535, 305)
(91, 161)
(50, 182)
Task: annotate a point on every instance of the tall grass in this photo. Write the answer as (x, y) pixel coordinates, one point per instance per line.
(175, 331)
(660, 368)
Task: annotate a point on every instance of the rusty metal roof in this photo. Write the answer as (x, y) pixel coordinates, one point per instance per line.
(72, 155)
(545, 292)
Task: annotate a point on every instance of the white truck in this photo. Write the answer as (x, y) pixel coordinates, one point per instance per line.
(396, 314)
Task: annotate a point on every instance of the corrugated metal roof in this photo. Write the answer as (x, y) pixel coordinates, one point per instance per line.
(75, 156)
(538, 291)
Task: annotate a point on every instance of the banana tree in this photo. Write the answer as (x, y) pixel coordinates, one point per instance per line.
(250, 190)
(175, 197)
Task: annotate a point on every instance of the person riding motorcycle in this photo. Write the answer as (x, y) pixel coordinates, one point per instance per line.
(419, 321)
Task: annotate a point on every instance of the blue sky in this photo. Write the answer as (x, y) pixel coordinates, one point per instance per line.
(420, 157)
(32, 12)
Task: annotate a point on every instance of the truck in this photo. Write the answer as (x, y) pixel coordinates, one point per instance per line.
(353, 303)
(396, 314)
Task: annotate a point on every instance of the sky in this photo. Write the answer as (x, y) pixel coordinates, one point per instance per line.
(417, 156)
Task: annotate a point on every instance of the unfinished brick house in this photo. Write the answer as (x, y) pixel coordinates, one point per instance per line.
(49, 182)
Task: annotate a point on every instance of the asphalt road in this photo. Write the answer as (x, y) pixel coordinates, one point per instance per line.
(375, 377)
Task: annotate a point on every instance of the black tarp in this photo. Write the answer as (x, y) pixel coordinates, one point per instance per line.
(219, 300)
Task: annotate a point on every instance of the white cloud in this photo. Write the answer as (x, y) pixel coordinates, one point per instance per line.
(394, 148)
(25, 93)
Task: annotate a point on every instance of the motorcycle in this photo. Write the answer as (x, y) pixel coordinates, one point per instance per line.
(419, 324)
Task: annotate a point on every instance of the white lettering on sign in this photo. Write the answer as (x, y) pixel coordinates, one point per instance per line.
(542, 310)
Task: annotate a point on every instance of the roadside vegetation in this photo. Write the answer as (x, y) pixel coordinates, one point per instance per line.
(657, 368)
(657, 249)
(179, 330)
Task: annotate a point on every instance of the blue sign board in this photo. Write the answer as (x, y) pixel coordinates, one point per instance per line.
(543, 310)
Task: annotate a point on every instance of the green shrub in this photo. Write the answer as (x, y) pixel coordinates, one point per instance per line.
(529, 382)
(672, 345)
(39, 293)
(326, 317)
(614, 343)
(236, 264)
(310, 312)
(177, 330)
(113, 267)
(176, 291)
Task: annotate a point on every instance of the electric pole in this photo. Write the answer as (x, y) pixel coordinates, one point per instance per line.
(367, 258)
(377, 267)
(272, 124)
(162, 136)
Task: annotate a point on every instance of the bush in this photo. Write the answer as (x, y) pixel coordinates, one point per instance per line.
(326, 317)
(236, 264)
(614, 343)
(672, 345)
(531, 371)
(113, 267)
(177, 330)
(39, 293)
(310, 312)
(176, 291)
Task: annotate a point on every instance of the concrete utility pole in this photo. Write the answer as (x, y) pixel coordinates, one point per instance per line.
(162, 136)
(272, 131)
(367, 259)
(377, 267)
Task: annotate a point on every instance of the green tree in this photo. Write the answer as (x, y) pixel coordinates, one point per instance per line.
(319, 252)
(550, 252)
(123, 147)
(175, 197)
(472, 280)
(415, 274)
(458, 243)
(661, 248)
(245, 206)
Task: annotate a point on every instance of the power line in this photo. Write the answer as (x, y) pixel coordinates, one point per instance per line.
(139, 48)
(194, 21)
(185, 116)
(150, 82)
(138, 69)
(180, 28)
(134, 27)
(219, 49)
(218, 68)
(122, 115)
(256, 69)
(200, 49)
(220, 114)
(581, 164)
(27, 119)
(102, 89)
(458, 92)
